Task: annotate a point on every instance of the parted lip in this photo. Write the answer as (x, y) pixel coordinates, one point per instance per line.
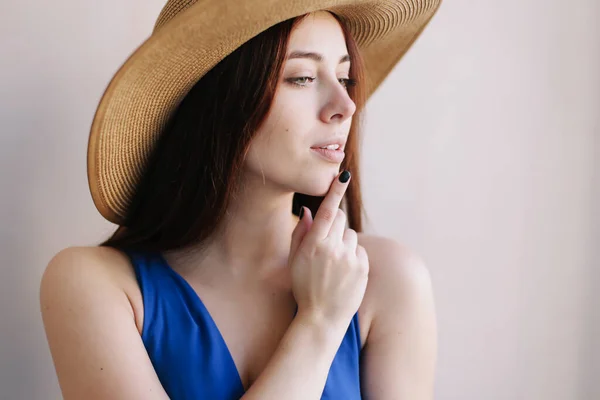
(340, 140)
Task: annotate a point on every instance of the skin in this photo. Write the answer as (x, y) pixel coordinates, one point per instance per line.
(93, 310)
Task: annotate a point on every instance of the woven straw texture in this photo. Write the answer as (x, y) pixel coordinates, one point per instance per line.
(189, 38)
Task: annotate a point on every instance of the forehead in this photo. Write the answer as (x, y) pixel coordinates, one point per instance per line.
(321, 32)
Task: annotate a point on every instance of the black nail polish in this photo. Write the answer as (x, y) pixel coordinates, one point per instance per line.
(301, 212)
(344, 176)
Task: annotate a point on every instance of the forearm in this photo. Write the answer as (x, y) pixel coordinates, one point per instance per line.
(299, 367)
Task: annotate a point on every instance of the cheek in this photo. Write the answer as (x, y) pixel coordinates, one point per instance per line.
(283, 137)
(291, 114)
(276, 151)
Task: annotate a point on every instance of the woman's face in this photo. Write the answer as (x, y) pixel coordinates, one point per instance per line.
(311, 108)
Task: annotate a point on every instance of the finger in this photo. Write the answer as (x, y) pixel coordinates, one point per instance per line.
(300, 231)
(362, 255)
(350, 239)
(329, 206)
(338, 227)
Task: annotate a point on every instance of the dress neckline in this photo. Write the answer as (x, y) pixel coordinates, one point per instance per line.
(201, 307)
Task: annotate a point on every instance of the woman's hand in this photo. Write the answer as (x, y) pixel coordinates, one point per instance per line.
(329, 269)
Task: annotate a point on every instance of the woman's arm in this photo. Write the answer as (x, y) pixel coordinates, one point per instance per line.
(96, 347)
(299, 367)
(399, 356)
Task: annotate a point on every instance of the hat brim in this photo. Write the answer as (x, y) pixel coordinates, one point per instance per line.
(154, 79)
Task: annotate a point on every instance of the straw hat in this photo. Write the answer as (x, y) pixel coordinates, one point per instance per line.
(192, 36)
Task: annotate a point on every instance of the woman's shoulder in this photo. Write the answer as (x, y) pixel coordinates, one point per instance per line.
(393, 268)
(80, 272)
(91, 262)
(390, 256)
(90, 325)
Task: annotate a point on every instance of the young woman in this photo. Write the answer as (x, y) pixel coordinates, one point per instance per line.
(235, 272)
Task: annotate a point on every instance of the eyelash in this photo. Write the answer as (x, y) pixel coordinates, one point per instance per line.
(347, 81)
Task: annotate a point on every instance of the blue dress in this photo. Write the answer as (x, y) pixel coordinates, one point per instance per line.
(190, 355)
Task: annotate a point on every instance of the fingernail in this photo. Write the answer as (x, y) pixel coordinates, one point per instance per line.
(344, 176)
(301, 212)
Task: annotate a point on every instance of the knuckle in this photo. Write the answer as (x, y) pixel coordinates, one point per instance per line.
(327, 214)
(349, 258)
(325, 247)
(362, 268)
(350, 233)
(362, 253)
(339, 190)
(364, 265)
(304, 252)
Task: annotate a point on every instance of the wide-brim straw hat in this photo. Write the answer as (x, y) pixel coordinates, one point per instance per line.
(189, 38)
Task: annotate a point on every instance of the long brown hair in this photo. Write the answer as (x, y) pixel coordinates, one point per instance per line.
(195, 167)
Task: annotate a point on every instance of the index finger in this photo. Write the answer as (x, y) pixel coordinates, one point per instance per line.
(329, 206)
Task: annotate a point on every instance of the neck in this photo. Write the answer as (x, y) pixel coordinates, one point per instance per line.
(252, 240)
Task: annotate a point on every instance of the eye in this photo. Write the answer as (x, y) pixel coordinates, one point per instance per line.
(304, 80)
(346, 82)
(301, 81)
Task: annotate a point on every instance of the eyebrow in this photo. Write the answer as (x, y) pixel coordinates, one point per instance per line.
(314, 56)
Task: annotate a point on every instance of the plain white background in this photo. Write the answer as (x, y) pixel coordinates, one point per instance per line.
(482, 153)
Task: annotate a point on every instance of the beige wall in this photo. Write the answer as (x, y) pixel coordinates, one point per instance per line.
(480, 153)
(592, 366)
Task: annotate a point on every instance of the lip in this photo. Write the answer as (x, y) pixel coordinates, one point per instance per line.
(341, 141)
(334, 156)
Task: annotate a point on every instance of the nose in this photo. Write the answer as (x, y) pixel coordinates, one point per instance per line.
(339, 105)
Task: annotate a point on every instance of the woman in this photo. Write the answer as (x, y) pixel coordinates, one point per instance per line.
(219, 282)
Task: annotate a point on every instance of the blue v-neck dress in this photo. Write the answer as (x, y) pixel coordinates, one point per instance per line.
(190, 355)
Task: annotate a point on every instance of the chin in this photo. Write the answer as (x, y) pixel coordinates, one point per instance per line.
(318, 182)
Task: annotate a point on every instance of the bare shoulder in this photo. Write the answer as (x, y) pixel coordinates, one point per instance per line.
(93, 260)
(400, 348)
(390, 259)
(91, 326)
(395, 274)
(74, 270)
